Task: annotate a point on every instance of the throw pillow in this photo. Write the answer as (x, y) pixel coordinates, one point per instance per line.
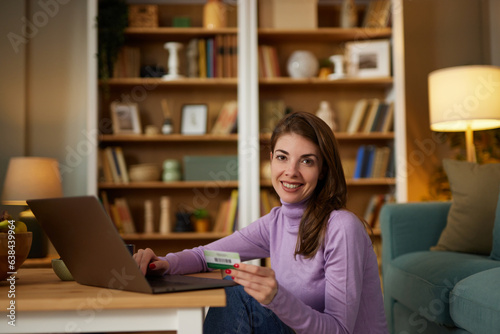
(475, 191)
(495, 251)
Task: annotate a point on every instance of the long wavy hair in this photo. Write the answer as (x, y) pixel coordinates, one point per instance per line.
(331, 190)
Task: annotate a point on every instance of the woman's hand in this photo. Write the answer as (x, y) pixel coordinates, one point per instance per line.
(149, 263)
(259, 282)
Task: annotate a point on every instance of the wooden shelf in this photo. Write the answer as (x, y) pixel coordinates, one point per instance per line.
(232, 137)
(167, 185)
(168, 138)
(152, 82)
(372, 181)
(344, 136)
(174, 236)
(174, 34)
(322, 34)
(382, 82)
(265, 34)
(385, 181)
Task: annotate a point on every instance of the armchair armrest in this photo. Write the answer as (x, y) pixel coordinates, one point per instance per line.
(410, 227)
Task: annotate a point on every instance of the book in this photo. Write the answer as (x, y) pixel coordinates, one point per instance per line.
(226, 122)
(379, 117)
(121, 163)
(221, 218)
(227, 56)
(210, 57)
(370, 118)
(107, 175)
(128, 63)
(232, 212)
(115, 216)
(368, 159)
(360, 156)
(387, 124)
(113, 164)
(202, 58)
(219, 47)
(125, 216)
(381, 162)
(357, 116)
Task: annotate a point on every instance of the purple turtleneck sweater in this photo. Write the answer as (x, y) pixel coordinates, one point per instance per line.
(337, 291)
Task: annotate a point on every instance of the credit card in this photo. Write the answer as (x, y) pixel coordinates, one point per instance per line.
(221, 260)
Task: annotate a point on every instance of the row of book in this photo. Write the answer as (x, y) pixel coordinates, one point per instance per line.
(227, 216)
(374, 162)
(371, 115)
(375, 203)
(119, 212)
(214, 57)
(112, 166)
(268, 62)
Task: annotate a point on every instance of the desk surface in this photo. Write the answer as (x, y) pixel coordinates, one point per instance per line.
(44, 303)
(42, 290)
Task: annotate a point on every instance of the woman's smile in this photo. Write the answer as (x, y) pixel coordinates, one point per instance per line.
(295, 167)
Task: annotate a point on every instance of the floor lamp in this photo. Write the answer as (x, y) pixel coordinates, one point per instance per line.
(465, 98)
(32, 178)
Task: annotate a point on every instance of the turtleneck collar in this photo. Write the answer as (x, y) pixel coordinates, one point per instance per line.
(293, 212)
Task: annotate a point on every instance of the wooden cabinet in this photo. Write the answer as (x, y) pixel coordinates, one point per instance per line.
(251, 91)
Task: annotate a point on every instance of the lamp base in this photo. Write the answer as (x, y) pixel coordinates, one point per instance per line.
(469, 145)
(39, 245)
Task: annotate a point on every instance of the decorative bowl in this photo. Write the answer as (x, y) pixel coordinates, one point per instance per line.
(144, 173)
(61, 270)
(22, 243)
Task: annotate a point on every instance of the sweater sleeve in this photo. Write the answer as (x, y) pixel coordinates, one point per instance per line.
(344, 255)
(251, 242)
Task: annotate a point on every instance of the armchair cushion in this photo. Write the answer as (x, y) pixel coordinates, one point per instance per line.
(469, 227)
(423, 280)
(475, 308)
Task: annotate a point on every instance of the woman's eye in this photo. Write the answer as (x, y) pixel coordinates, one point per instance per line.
(307, 161)
(280, 157)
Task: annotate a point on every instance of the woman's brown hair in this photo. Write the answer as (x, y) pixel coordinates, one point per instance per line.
(331, 191)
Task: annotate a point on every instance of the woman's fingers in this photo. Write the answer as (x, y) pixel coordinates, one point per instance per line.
(143, 257)
(259, 282)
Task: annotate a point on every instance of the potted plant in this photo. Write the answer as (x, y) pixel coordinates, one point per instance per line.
(201, 221)
(111, 23)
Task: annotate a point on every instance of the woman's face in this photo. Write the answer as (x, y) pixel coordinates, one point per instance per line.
(295, 167)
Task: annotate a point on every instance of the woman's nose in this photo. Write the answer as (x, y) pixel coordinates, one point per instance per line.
(291, 169)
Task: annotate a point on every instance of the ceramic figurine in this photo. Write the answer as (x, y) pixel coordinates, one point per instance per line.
(326, 114)
(173, 60)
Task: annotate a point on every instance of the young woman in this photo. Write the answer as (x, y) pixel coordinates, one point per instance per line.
(323, 276)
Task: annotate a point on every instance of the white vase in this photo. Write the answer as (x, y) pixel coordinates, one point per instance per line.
(302, 64)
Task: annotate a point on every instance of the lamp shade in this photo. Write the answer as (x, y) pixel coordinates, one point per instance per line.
(464, 97)
(31, 178)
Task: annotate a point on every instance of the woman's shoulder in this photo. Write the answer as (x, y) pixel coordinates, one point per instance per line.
(345, 221)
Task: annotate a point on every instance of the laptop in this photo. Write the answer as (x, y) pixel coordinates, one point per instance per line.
(94, 252)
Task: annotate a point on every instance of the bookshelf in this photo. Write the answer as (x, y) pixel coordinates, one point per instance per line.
(251, 91)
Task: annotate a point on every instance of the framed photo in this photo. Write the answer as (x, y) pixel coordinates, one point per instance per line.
(125, 118)
(369, 59)
(194, 119)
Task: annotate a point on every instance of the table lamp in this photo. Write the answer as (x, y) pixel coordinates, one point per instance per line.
(32, 178)
(465, 98)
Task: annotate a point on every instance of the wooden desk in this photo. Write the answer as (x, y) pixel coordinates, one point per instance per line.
(43, 303)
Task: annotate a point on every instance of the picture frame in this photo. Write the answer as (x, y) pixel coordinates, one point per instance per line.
(125, 118)
(194, 119)
(368, 59)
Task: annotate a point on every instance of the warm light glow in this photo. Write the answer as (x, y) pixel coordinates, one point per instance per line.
(31, 178)
(464, 97)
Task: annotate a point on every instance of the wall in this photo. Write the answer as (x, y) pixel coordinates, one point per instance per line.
(46, 95)
(437, 34)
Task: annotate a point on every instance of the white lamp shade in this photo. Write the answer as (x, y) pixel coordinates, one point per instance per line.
(31, 178)
(464, 97)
